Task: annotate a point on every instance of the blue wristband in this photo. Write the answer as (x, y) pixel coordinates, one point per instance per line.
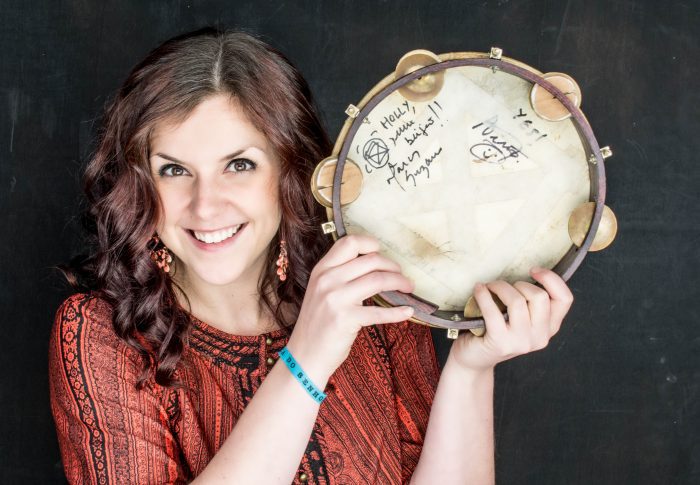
(299, 374)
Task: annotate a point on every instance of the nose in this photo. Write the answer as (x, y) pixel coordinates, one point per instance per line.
(208, 199)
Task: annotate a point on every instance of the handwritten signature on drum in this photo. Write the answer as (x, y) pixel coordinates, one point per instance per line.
(410, 175)
(403, 130)
(497, 145)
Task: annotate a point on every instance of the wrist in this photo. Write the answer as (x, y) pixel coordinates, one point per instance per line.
(471, 374)
(312, 389)
(318, 372)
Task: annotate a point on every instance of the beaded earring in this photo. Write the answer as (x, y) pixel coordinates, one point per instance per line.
(160, 255)
(282, 261)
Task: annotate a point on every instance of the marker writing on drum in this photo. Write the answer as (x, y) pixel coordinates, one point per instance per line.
(410, 175)
(394, 116)
(408, 124)
(433, 109)
(527, 125)
(400, 130)
(423, 168)
(494, 148)
(422, 130)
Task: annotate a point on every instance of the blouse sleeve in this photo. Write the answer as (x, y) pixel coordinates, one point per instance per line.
(108, 431)
(415, 375)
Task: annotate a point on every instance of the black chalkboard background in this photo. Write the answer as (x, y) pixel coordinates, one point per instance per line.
(614, 399)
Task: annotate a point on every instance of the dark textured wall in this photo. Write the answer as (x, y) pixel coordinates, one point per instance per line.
(615, 398)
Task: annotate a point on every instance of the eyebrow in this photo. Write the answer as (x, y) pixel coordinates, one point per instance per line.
(223, 159)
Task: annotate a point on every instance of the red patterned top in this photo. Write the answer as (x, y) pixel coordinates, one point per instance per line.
(369, 429)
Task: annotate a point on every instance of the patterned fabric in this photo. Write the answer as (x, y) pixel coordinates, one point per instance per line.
(369, 429)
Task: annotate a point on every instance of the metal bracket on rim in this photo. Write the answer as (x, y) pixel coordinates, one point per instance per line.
(328, 227)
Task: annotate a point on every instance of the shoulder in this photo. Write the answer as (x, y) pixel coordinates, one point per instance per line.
(83, 314)
(83, 336)
(83, 307)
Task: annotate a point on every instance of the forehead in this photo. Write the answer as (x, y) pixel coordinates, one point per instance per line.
(219, 123)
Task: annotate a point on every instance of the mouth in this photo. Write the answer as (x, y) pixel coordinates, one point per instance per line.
(220, 237)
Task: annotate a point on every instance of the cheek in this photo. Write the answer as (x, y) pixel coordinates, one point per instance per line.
(273, 198)
(173, 202)
(266, 193)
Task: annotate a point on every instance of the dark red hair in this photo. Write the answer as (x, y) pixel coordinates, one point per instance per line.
(124, 207)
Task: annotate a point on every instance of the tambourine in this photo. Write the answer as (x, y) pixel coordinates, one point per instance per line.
(468, 167)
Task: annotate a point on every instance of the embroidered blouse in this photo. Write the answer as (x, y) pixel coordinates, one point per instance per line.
(369, 429)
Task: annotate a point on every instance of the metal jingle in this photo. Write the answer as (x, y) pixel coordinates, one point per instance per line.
(322, 182)
(546, 105)
(580, 223)
(472, 310)
(425, 87)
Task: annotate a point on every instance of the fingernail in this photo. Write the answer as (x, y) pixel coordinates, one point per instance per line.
(408, 311)
(536, 270)
(479, 286)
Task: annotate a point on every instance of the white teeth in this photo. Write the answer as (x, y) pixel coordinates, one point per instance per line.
(216, 236)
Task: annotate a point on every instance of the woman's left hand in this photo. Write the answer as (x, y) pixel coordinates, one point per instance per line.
(534, 316)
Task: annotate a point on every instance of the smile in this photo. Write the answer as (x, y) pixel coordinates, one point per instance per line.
(214, 237)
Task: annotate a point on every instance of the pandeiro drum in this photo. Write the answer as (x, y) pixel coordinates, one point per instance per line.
(468, 167)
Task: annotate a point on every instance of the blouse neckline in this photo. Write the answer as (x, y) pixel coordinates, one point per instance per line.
(209, 334)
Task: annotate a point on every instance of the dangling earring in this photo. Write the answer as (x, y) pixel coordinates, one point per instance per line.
(160, 256)
(282, 261)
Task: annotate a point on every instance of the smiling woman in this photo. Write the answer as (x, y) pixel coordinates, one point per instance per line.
(167, 131)
(208, 266)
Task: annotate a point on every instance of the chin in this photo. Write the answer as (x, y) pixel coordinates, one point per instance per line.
(219, 278)
(221, 274)
(222, 271)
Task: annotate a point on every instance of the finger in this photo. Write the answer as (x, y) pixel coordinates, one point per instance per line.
(363, 265)
(376, 314)
(348, 248)
(493, 318)
(559, 292)
(376, 282)
(518, 313)
(538, 304)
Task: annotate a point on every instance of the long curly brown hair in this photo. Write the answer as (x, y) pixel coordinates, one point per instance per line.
(123, 203)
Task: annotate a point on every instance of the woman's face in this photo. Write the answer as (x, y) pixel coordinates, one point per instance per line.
(217, 177)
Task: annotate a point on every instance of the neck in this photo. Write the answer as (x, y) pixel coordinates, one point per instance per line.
(235, 308)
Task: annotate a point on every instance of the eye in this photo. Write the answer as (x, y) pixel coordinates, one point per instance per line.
(241, 165)
(172, 170)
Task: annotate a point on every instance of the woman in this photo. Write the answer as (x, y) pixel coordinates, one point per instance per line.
(201, 212)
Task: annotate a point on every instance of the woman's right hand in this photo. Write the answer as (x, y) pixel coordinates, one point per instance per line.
(332, 313)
